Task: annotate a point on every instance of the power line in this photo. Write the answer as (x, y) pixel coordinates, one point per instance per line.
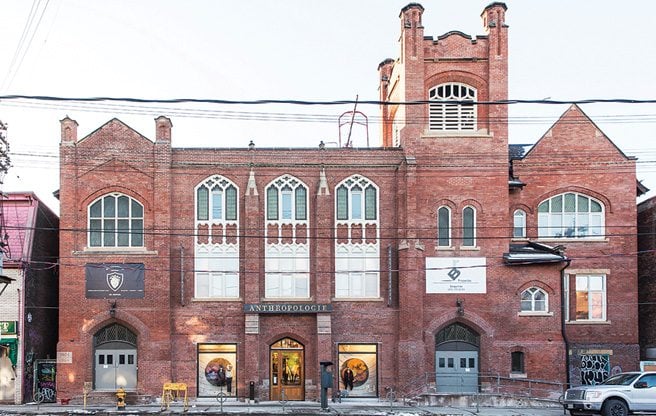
(320, 103)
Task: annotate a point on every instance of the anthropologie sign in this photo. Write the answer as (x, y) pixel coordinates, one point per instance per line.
(455, 275)
(287, 308)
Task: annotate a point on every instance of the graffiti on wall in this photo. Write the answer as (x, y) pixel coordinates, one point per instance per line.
(595, 368)
(44, 379)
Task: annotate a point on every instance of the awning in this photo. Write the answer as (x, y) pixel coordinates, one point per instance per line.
(531, 252)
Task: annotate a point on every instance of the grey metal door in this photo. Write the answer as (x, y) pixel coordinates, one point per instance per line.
(116, 368)
(456, 371)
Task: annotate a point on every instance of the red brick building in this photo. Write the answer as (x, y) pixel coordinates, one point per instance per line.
(646, 279)
(439, 259)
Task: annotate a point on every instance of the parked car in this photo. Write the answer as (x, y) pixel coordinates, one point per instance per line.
(619, 395)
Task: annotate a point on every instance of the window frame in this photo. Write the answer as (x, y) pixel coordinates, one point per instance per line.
(444, 241)
(551, 222)
(226, 189)
(533, 291)
(359, 190)
(467, 229)
(590, 301)
(286, 188)
(357, 264)
(131, 219)
(287, 263)
(216, 262)
(445, 116)
(519, 225)
(517, 362)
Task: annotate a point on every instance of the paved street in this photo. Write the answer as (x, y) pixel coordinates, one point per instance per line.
(210, 407)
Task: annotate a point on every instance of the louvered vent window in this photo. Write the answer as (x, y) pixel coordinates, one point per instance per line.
(446, 115)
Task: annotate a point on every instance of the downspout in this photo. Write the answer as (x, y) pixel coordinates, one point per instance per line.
(562, 319)
(182, 292)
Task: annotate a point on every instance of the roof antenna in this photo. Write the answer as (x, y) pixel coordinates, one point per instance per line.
(353, 113)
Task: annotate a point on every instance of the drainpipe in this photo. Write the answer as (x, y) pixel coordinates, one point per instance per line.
(564, 305)
(182, 294)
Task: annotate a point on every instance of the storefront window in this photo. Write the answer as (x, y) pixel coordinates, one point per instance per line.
(217, 369)
(358, 369)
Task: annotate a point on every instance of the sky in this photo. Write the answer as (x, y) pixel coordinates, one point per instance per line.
(298, 50)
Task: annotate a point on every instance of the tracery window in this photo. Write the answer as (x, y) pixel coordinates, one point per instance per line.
(287, 266)
(357, 247)
(216, 241)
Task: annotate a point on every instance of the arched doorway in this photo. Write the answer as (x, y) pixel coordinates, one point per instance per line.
(456, 359)
(115, 358)
(286, 370)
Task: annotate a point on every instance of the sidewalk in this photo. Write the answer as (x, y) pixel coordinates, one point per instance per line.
(212, 407)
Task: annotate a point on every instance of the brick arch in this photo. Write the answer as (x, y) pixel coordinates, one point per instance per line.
(527, 209)
(471, 203)
(445, 203)
(464, 77)
(296, 337)
(122, 317)
(585, 191)
(536, 283)
(84, 202)
(470, 319)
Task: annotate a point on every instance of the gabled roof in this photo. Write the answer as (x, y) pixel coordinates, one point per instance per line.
(587, 119)
(108, 124)
(19, 216)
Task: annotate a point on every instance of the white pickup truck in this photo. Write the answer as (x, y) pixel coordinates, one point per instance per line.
(619, 395)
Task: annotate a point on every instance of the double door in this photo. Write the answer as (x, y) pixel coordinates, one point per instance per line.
(116, 368)
(456, 371)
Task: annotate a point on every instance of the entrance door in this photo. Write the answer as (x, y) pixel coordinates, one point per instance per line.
(286, 370)
(457, 371)
(456, 359)
(116, 368)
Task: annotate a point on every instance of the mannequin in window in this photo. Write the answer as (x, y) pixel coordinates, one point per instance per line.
(347, 378)
(228, 378)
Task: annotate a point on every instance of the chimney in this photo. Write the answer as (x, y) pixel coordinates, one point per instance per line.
(68, 130)
(163, 129)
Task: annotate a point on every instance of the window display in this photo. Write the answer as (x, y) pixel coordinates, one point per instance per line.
(217, 369)
(358, 370)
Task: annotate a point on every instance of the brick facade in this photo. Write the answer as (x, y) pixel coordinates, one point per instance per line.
(415, 172)
(646, 286)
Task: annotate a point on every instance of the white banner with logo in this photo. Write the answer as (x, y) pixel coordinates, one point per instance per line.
(456, 275)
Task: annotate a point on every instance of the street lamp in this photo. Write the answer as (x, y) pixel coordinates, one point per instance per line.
(4, 282)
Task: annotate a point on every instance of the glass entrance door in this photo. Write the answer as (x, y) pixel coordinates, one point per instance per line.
(286, 370)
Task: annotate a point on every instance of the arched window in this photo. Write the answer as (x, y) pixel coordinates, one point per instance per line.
(444, 227)
(469, 227)
(570, 215)
(357, 247)
(287, 264)
(519, 224)
(286, 200)
(216, 200)
(216, 242)
(116, 220)
(357, 199)
(534, 299)
(445, 115)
